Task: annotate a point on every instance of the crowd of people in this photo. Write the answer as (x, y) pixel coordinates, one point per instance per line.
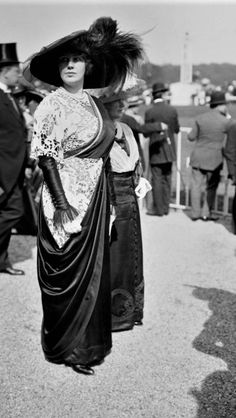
(81, 160)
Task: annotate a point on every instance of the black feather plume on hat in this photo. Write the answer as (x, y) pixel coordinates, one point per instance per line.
(112, 53)
(120, 51)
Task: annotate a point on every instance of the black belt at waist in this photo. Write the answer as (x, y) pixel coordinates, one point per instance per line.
(125, 174)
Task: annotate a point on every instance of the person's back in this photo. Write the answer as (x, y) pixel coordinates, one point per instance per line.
(229, 152)
(208, 133)
(163, 112)
(162, 151)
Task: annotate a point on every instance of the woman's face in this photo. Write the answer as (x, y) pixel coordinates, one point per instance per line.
(71, 69)
(115, 109)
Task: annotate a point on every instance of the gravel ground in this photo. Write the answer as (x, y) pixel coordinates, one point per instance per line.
(181, 363)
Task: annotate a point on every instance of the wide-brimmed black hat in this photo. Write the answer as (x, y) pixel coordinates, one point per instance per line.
(159, 88)
(8, 54)
(111, 53)
(217, 98)
(29, 94)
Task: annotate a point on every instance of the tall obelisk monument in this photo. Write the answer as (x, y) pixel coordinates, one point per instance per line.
(186, 67)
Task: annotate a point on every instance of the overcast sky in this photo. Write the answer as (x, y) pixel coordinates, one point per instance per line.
(211, 26)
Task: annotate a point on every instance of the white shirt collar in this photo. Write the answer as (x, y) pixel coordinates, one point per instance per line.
(158, 100)
(4, 87)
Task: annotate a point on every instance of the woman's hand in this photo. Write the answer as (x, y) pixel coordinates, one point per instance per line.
(73, 227)
(142, 188)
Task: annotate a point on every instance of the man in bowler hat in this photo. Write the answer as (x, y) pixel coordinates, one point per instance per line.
(208, 133)
(162, 151)
(13, 155)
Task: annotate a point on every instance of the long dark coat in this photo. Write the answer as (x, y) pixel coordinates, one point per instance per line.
(229, 151)
(13, 146)
(162, 150)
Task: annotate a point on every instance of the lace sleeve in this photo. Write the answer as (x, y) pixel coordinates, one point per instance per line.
(48, 130)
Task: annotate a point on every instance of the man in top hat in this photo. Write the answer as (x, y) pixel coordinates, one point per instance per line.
(13, 154)
(209, 133)
(162, 150)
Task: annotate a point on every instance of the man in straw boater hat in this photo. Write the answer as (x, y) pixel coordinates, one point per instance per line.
(13, 153)
(208, 133)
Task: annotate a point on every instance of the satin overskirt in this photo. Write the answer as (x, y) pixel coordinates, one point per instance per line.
(75, 286)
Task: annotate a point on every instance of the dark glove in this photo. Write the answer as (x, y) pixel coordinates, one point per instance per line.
(64, 213)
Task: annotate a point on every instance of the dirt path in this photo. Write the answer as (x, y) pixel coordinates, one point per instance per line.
(181, 363)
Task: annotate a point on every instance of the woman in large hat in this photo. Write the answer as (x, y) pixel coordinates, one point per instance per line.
(72, 139)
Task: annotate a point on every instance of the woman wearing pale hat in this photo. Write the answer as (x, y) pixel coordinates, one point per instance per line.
(125, 185)
(72, 139)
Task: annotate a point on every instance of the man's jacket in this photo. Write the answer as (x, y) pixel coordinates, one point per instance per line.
(209, 133)
(230, 151)
(13, 145)
(162, 147)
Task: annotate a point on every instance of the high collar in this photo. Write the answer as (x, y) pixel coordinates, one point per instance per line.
(4, 87)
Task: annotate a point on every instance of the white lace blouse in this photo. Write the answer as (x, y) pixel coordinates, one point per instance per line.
(64, 123)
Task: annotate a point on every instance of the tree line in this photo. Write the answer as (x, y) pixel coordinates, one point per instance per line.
(219, 74)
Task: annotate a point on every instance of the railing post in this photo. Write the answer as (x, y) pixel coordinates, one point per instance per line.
(178, 168)
(226, 197)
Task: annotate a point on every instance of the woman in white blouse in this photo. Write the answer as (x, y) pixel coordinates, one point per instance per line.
(125, 185)
(72, 139)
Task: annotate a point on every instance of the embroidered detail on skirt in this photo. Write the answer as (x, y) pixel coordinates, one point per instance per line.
(127, 282)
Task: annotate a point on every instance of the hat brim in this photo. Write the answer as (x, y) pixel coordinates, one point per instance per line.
(44, 65)
(160, 91)
(8, 62)
(218, 103)
(29, 95)
(135, 104)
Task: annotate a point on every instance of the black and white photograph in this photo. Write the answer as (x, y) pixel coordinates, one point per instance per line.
(117, 209)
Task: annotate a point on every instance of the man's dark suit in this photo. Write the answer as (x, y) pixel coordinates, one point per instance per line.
(13, 159)
(230, 156)
(208, 132)
(162, 153)
(138, 128)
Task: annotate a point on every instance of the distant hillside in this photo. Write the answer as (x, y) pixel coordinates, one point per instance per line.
(219, 74)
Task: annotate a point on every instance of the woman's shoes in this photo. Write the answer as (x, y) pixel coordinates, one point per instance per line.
(83, 369)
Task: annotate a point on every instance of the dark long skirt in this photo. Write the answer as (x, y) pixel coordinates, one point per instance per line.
(75, 286)
(127, 283)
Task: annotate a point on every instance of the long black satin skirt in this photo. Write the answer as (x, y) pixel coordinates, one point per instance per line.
(127, 282)
(75, 286)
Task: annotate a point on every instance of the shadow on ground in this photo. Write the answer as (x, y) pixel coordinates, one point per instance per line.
(225, 220)
(217, 396)
(21, 248)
